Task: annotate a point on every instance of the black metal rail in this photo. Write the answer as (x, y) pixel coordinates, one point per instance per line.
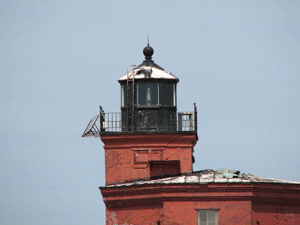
(148, 121)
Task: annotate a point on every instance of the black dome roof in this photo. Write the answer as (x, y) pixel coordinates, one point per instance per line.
(148, 51)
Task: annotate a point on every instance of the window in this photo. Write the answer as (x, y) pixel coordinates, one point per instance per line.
(164, 168)
(208, 217)
(147, 94)
(166, 94)
(126, 95)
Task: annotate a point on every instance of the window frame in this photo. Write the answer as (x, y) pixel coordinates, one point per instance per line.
(158, 91)
(216, 216)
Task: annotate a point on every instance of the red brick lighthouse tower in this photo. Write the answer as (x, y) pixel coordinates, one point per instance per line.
(148, 138)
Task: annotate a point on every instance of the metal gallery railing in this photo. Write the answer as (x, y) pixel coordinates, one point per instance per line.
(148, 121)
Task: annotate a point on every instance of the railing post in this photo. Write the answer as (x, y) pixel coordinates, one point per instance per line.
(179, 121)
(102, 119)
(195, 116)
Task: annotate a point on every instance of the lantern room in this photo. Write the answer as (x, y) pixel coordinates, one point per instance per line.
(148, 97)
(148, 103)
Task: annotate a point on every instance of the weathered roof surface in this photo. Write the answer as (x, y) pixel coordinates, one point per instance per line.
(144, 72)
(208, 176)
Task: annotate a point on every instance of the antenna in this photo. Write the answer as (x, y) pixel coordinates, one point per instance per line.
(148, 39)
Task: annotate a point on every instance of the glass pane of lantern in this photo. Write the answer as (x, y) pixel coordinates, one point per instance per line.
(123, 94)
(147, 94)
(166, 94)
(126, 94)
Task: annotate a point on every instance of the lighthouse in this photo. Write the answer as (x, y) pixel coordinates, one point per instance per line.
(148, 138)
(149, 176)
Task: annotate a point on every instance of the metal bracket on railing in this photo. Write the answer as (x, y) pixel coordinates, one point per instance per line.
(92, 130)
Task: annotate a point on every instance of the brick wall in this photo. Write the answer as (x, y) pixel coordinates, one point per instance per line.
(174, 204)
(127, 157)
(276, 214)
(141, 216)
(229, 212)
(182, 213)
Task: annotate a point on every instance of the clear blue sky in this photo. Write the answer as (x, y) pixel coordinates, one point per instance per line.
(60, 60)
